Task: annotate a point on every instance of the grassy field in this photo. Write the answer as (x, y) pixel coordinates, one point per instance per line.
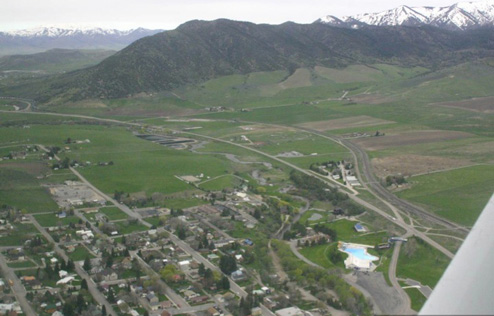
(459, 195)
(418, 299)
(220, 183)
(50, 220)
(80, 253)
(19, 235)
(20, 189)
(113, 213)
(424, 263)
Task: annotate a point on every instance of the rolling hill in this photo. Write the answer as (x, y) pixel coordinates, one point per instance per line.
(198, 50)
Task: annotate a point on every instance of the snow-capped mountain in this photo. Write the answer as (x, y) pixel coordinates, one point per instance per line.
(69, 31)
(45, 38)
(460, 16)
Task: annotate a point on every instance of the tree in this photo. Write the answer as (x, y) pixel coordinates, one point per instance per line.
(84, 284)
(224, 283)
(87, 264)
(103, 311)
(228, 264)
(68, 310)
(181, 233)
(201, 269)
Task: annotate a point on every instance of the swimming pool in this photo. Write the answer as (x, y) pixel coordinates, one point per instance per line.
(360, 253)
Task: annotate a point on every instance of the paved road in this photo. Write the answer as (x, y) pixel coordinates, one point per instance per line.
(17, 288)
(405, 307)
(100, 298)
(387, 195)
(174, 297)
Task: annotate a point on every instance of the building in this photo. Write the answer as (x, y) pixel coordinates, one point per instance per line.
(359, 228)
(238, 275)
(292, 311)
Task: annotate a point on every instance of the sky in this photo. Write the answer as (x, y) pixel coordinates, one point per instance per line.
(167, 15)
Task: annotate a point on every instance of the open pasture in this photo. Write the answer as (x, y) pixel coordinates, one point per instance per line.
(482, 105)
(408, 138)
(347, 122)
(459, 195)
(411, 164)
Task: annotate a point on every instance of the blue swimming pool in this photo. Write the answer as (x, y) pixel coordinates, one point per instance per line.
(360, 253)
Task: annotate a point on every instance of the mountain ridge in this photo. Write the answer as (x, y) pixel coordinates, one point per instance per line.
(459, 16)
(198, 51)
(45, 38)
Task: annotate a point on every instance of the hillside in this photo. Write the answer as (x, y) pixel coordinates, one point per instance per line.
(198, 51)
(54, 60)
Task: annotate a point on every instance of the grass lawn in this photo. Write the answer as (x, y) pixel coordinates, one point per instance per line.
(21, 264)
(19, 235)
(21, 189)
(424, 264)
(113, 213)
(80, 253)
(126, 228)
(459, 195)
(220, 183)
(319, 255)
(307, 215)
(417, 298)
(50, 220)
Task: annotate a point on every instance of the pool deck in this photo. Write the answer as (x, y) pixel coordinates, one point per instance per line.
(353, 262)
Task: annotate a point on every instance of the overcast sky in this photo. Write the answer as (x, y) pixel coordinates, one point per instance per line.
(166, 14)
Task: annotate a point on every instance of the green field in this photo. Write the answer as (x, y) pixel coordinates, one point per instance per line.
(424, 263)
(417, 298)
(113, 213)
(21, 189)
(19, 235)
(80, 253)
(220, 183)
(50, 220)
(459, 195)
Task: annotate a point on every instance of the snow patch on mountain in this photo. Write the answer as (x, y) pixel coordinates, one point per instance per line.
(462, 16)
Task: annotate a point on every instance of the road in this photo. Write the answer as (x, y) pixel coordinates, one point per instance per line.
(17, 288)
(100, 298)
(174, 297)
(405, 308)
(379, 189)
(380, 192)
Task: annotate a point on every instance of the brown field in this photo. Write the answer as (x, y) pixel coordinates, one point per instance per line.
(371, 98)
(300, 78)
(33, 168)
(483, 105)
(347, 122)
(409, 165)
(408, 138)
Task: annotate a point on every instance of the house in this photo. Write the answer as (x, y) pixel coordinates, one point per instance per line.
(291, 311)
(166, 304)
(359, 228)
(165, 313)
(188, 294)
(62, 214)
(199, 299)
(213, 312)
(256, 311)
(66, 280)
(109, 275)
(152, 298)
(238, 275)
(248, 242)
